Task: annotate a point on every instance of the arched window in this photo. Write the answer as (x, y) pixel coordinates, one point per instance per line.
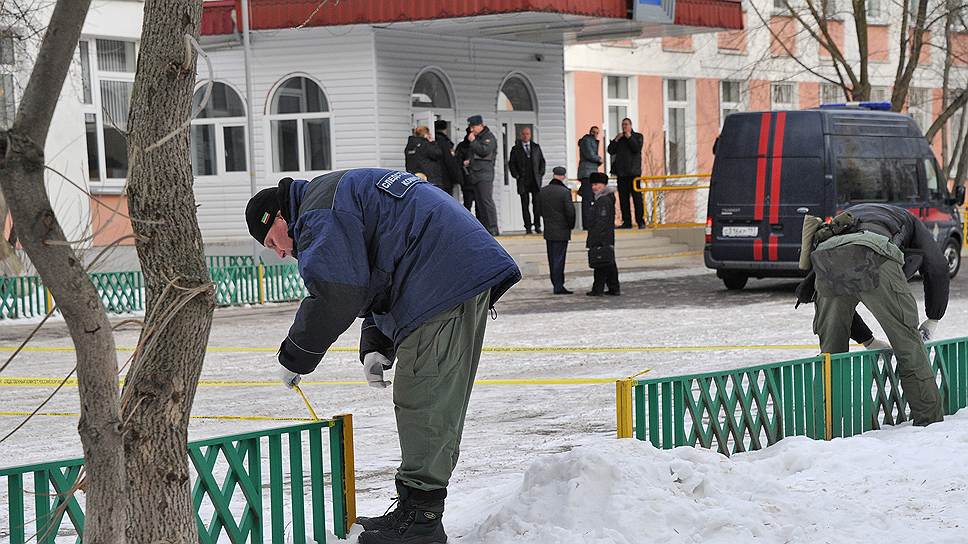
(430, 93)
(299, 122)
(218, 132)
(515, 95)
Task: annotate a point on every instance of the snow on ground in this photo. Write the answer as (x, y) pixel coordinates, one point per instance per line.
(551, 428)
(905, 484)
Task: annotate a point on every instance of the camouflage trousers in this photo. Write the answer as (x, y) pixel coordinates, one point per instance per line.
(852, 274)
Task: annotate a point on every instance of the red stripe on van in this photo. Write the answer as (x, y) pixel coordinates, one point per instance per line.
(761, 167)
(758, 250)
(776, 169)
(774, 247)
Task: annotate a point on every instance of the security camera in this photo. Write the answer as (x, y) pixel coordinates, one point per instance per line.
(538, 57)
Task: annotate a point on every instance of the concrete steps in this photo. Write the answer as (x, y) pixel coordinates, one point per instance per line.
(631, 248)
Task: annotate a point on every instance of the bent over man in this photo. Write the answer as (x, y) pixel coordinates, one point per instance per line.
(422, 272)
(866, 256)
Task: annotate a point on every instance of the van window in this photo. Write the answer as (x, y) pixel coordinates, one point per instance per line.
(883, 180)
(935, 192)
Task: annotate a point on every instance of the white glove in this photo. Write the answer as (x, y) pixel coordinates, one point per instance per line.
(374, 363)
(876, 345)
(927, 329)
(288, 377)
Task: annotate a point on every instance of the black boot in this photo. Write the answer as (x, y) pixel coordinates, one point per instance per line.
(418, 520)
(389, 518)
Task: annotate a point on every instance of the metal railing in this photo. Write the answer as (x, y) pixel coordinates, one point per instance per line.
(677, 200)
(745, 409)
(123, 292)
(229, 490)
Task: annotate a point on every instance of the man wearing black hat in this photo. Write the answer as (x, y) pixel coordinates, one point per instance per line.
(482, 147)
(601, 238)
(559, 217)
(422, 273)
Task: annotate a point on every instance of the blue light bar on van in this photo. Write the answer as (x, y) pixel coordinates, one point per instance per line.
(879, 106)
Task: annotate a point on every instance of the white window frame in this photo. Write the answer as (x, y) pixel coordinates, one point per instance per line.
(725, 108)
(833, 89)
(628, 103)
(105, 184)
(300, 133)
(878, 15)
(220, 123)
(688, 119)
(792, 105)
(920, 110)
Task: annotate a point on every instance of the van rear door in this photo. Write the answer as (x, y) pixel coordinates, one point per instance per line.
(769, 172)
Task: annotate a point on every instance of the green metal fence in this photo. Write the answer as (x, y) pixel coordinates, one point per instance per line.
(246, 488)
(752, 408)
(866, 391)
(237, 282)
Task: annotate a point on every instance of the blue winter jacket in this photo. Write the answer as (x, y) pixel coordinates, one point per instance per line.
(388, 247)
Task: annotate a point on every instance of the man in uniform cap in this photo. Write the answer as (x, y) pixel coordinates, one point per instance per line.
(422, 273)
(559, 218)
(482, 148)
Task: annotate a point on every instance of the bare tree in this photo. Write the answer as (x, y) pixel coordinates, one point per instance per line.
(164, 374)
(22, 180)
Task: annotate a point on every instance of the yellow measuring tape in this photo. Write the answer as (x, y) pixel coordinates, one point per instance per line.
(216, 418)
(306, 401)
(487, 349)
(72, 382)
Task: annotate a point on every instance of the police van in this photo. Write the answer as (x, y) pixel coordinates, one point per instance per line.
(772, 168)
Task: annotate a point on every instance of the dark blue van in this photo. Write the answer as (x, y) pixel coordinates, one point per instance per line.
(772, 168)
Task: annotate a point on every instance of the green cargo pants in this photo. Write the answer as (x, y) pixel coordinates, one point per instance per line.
(435, 371)
(894, 307)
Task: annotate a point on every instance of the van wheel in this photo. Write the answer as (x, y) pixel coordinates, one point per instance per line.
(735, 281)
(952, 252)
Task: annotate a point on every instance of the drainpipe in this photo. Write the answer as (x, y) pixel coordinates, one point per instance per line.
(249, 119)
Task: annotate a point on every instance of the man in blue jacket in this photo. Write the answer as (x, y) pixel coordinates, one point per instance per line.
(422, 273)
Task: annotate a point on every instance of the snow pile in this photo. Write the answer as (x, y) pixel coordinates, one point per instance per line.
(898, 485)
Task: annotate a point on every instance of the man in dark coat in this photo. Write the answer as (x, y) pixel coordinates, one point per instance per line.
(626, 152)
(601, 238)
(527, 167)
(422, 273)
(589, 160)
(866, 255)
(559, 219)
(462, 153)
(482, 145)
(450, 175)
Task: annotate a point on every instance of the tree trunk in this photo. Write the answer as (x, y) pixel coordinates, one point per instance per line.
(161, 384)
(22, 180)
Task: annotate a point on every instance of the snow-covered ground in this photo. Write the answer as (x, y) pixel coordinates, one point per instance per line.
(582, 485)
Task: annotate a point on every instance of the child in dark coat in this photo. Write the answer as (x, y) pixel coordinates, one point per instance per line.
(601, 238)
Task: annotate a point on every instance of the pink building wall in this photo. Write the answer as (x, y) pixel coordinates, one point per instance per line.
(651, 123)
(707, 122)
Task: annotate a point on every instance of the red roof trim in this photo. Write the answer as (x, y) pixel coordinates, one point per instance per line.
(217, 17)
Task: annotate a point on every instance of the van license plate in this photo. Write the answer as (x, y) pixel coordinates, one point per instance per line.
(741, 232)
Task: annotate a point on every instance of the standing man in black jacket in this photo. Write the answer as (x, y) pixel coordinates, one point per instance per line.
(626, 152)
(589, 160)
(866, 255)
(462, 154)
(601, 238)
(482, 147)
(449, 168)
(559, 216)
(527, 167)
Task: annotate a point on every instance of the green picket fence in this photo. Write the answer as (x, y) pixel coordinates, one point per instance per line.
(234, 500)
(237, 281)
(751, 408)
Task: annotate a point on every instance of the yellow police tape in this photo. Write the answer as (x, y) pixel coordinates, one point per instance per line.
(487, 349)
(72, 382)
(217, 418)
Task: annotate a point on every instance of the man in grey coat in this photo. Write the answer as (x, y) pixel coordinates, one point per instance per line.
(480, 165)
(589, 160)
(559, 217)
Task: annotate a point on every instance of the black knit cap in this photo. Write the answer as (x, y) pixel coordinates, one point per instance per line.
(598, 177)
(262, 208)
